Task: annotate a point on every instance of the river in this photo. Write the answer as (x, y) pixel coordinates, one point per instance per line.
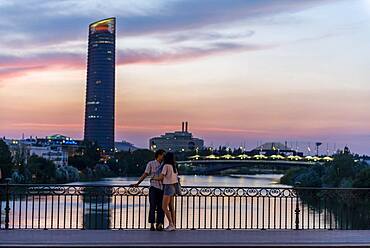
(262, 180)
(125, 208)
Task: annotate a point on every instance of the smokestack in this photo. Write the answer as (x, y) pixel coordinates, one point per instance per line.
(182, 126)
(186, 126)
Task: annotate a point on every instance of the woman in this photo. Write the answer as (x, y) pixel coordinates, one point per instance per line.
(169, 176)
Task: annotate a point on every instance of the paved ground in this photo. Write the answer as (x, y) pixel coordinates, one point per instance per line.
(183, 238)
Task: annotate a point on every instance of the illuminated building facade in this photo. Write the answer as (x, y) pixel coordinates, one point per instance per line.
(100, 88)
(56, 148)
(179, 141)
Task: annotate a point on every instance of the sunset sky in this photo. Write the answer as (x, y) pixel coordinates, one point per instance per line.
(238, 71)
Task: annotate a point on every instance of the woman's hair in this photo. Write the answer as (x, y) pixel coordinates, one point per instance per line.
(169, 158)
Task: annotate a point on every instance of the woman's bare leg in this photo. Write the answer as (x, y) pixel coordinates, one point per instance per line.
(172, 210)
(165, 206)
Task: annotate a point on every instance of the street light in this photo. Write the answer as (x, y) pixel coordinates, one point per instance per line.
(317, 147)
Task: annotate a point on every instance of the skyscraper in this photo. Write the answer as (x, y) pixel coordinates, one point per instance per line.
(100, 87)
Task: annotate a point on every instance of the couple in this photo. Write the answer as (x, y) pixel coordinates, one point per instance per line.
(164, 185)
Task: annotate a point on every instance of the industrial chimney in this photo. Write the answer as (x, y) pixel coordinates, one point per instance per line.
(186, 126)
(182, 126)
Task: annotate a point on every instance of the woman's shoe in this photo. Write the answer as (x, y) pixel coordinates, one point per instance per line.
(152, 228)
(170, 229)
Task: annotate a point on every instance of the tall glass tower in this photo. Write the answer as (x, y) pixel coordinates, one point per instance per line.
(100, 87)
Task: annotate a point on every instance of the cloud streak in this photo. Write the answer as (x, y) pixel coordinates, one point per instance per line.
(54, 21)
(9, 72)
(39, 24)
(206, 36)
(185, 53)
(42, 23)
(14, 66)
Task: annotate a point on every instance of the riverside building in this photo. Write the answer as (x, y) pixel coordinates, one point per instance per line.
(178, 141)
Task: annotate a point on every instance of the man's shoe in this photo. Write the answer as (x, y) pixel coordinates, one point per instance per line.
(152, 228)
(159, 227)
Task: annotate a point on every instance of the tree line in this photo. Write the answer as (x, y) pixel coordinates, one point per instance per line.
(87, 164)
(345, 171)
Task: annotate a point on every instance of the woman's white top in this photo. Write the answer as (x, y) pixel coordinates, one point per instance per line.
(170, 177)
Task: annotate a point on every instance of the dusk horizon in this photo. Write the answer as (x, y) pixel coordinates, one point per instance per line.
(256, 71)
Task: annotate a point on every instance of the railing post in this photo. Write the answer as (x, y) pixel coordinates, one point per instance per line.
(297, 210)
(7, 207)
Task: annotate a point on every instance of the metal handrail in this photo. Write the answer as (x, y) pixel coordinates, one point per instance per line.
(80, 206)
(184, 186)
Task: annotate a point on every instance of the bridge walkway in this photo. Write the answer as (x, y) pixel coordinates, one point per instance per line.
(184, 238)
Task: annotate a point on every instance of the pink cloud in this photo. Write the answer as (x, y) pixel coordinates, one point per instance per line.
(16, 66)
(10, 71)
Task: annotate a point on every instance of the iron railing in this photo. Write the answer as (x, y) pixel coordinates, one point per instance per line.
(122, 207)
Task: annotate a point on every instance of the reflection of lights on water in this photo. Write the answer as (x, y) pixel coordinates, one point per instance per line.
(210, 179)
(199, 180)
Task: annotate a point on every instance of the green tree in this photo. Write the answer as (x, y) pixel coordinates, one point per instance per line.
(42, 170)
(291, 175)
(67, 173)
(309, 179)
(102, 170)
(80, 162)
(362, 179)
(88, 156)
(5, 161)
(133, 163)
(341, 170)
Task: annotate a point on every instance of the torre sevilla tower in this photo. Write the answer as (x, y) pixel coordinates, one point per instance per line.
(100, 87)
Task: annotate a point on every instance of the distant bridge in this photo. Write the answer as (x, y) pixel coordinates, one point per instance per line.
(212, 166)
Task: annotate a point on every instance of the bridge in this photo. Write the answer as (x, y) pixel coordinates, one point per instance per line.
(212, 166)
(116, 216)
(184, 238)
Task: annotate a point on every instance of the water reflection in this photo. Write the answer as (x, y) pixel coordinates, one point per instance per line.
(107, 206)
(262, 180)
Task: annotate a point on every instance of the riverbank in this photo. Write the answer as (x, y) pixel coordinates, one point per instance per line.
(345, 171)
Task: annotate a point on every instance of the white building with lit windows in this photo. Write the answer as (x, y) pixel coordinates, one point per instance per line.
(56, 148)
(56, 154)
(178, 141)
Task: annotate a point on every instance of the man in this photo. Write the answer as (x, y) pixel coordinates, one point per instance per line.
(153, 168)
